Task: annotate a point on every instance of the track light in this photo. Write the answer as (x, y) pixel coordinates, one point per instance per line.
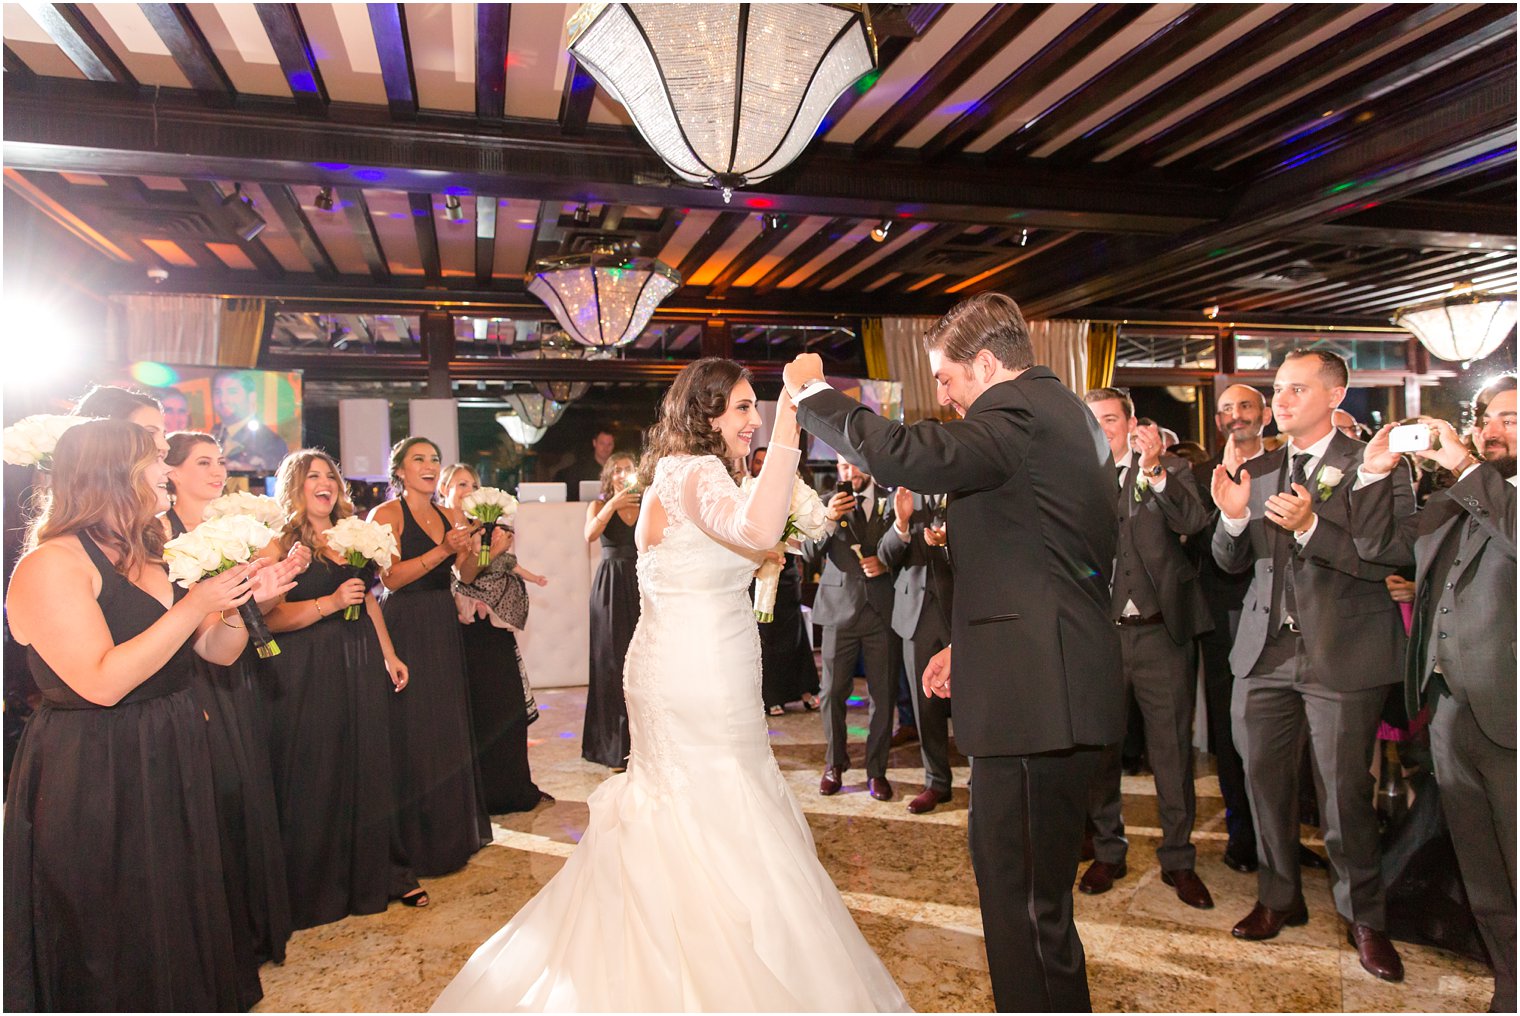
(1023, 238)
(770, 222)
(1211, 311)
(324, 199)
(451, 208)
(882, 229)
(582, 215)
(246, 223)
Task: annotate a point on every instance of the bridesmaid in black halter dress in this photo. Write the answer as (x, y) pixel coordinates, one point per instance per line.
(253, 860)
(614, 611)
(113, 892)
(330, 693)
(438, 792)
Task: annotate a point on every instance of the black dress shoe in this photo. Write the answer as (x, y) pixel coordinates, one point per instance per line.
(1243, 860)
(830, 783)
(1309, 859)
(1099, 877)
(879, 788)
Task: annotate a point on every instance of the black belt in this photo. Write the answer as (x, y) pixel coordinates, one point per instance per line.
(1126, 622)
(620, 554)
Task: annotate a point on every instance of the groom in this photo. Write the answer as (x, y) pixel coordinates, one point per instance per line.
(1037, 673)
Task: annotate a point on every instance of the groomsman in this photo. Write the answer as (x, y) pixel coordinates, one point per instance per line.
(1315, 652)
(854, 607)
(1158, 608)
(1462, 655)
(916, 550)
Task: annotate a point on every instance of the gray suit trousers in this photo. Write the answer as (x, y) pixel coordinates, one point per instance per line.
(932, 714)
(1165, 683)
(1477, 779)
(868, 635)
(1274, 708)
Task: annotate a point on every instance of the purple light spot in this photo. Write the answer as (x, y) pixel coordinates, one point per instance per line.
(332, 167)
(369, 175)
(528, 226)
(961, 107)
(456, 191)
(566, 734)
(302, 81)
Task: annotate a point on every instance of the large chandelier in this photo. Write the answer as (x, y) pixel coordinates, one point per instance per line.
(726, 94)
(531, 417)
(1462, 326)
(603, 298)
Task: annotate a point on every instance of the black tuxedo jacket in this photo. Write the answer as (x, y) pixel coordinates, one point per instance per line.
(1475, 641)
(1152, 530)
(1036, 664)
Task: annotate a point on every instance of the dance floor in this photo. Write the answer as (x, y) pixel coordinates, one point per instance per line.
(908, 881)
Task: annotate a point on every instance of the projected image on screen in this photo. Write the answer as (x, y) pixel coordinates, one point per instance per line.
(254, 414)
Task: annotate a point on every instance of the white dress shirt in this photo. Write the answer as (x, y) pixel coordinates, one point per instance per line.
(1316, 454)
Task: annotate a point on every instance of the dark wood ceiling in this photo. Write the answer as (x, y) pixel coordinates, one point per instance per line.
(1298, 163)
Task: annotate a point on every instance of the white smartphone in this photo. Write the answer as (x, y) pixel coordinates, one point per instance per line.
(1409, 437)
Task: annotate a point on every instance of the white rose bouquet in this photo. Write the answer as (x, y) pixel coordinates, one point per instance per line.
(264, 509)
(30, 441)
(494, 507)
(214, 546)
(806, 519)
(361, 543)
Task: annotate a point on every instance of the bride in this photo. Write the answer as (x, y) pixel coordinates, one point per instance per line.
(696, 885)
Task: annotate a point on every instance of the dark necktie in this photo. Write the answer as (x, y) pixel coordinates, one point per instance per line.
(1120, 470)
(1301, 470)
(1298, 475)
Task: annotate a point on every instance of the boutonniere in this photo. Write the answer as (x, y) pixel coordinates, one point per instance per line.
(1328, 479)
(1142, 484)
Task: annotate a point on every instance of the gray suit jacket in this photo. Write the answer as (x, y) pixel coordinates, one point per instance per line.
(1353, 634)
(1152, 529)
(1475, 642)
(924, 586)
(844, 592)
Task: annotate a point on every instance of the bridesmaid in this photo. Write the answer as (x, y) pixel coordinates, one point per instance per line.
(111, 403)
(614, 611)
(252, 857)
(443, 812)
(113, 891)
(492, 609)
(330, 736)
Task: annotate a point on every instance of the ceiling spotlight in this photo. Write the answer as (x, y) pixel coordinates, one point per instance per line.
(882, 229)
(1023, 238)
(582, 215)
(1211, 311)
(246, 223)
(451, 208)
(770, 222)
(324, 199)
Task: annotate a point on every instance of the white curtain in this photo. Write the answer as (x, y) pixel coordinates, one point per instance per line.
(1062, 346)
(908, 363)
(167, 328)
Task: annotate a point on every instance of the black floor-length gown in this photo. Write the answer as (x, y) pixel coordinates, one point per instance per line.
(614, 615)
(500, 717)
(787, 668)
(442, 811)
(330, 750)
(253, 858)
(114, 893)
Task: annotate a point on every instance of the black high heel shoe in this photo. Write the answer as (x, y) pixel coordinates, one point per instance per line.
(416, 898)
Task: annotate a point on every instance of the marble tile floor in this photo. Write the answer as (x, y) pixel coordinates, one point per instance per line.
(908, 881)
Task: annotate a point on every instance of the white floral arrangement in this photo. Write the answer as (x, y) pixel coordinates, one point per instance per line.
(242, 502)
(210, 549)
(30, 441)
(493, 506)
(1328, 479)
(362, 543)
(806, 518)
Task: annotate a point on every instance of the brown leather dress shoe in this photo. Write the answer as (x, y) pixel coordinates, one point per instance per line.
(928, 800)
(1099, 877)
(906, 734)
(1263, 922)
(1190, 888)
(830, 783)
(879, 788)
(1376, 952)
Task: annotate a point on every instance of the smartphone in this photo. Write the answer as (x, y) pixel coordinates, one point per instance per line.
(1409, 437)
(844, 487)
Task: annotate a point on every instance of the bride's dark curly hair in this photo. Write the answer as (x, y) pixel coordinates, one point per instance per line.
(698, 396)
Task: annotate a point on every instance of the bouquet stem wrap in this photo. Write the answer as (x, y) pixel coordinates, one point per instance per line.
(258, 632)
(767, 581)
(488, 529)
(356, 561)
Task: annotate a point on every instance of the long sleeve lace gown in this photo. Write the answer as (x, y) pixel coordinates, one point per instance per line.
(696, 885)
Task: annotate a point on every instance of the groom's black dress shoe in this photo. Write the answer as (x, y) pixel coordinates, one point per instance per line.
(1099, 877)
(879, 788)
(830, 783)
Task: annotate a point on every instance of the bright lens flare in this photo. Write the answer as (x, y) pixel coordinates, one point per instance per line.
(43, 344)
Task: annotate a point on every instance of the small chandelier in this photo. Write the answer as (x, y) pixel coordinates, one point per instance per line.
(726, 94)
(604, 298)
(556, 345)
(532, 417)
(1463, 326)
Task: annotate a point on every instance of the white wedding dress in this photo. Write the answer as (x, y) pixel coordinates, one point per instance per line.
(696, 886)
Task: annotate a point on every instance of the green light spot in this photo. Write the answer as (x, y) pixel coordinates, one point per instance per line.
(1217, 251)
(870, 78)
(1343, 187)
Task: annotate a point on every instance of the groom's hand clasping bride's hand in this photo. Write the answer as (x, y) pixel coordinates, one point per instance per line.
(806, 367)
(937, 675)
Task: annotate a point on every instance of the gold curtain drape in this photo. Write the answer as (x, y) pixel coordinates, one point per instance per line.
(1061, 345)
(1102, 350)
(902, 345)
(242, 332)
(875, 349)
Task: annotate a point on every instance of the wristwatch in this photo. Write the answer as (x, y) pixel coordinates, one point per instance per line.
(1155, 472)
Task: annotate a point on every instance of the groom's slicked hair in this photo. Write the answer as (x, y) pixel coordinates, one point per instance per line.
(989, 321)
(697, 396)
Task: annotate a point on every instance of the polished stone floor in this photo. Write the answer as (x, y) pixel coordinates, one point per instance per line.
(909, 883)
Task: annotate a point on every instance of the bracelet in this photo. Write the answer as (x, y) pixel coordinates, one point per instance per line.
(320, 613)
(223, 615)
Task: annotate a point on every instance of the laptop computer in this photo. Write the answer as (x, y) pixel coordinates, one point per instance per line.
(542, 492)
(590, 490)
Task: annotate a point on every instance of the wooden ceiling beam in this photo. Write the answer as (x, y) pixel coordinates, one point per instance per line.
(427, 235)
(282, 23)
(283, 200)
(176, 27)
(1184, 33)
(896, 26)
(575, 99)
(759, 247)
(1358, 273)
(485, 238)
(17, 73)
(1095, 27)
(867, 249)
(493, 23)
(388, 22)
(1394, 285)
(998, 27)
(356, 210)
(707, 245)
(72, 32)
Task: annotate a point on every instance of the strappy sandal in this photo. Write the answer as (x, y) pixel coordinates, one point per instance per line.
(416, 898)
(776, 711)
